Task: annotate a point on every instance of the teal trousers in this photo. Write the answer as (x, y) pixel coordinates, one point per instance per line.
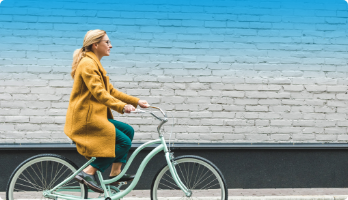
(124, 137)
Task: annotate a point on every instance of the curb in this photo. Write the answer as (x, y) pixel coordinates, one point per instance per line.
(319, 197)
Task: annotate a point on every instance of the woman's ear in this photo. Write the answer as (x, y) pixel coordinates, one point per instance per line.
(95, 46)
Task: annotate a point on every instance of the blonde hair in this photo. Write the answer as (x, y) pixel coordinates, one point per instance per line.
(91, 37)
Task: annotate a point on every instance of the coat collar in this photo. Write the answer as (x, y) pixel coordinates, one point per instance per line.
(95, 58)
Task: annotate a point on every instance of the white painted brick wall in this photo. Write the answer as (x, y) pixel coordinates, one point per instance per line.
(216, 73)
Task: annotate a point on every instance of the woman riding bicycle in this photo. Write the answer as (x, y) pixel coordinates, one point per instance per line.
(89, 121)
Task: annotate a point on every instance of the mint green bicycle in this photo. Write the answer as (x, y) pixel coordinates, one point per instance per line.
(51, 176)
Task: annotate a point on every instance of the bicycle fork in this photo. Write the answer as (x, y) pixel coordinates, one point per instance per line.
(171, 164)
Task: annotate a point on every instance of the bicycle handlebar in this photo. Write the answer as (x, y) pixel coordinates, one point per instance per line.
(157, 117)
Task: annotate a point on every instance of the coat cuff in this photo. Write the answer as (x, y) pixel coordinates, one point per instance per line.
(134, 101)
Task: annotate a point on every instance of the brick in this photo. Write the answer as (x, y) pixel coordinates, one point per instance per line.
(187, 79)
(303, 123)
(281, 123)
(16, 119)
(190, 107)
(292, 73)
(215, 122)
(304, 109)
(325, 123)
(326, 137)
(198, 86)
(325, 96)
(336, 116)
(209, 93)
(269, 102)
(262, 122)
(314, 116)
(137, 92)
(342, 123)
(162, 92)
(256, 108)
(258, 95)
(200, 114)
(174, 100)
(342, 137)
(232, 94)
(210, 79)
(211, 136)
(335, 131)
(303, 137)
(325, 109)
(234, 136)
(315, 88)
(296, 88)
(309, 130)
(221, 129)
(187, 136)
(222, 100)
(256, 137)
(211, 107)
(233, 108)
(280, 137)
(27, 127)
(246, 101)
(227, 79)
(342, 96)
(244, 87)
(269, 116)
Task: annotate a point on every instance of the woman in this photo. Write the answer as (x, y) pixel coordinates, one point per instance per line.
(89, 121)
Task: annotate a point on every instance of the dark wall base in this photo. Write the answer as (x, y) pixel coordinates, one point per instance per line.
(242, 168)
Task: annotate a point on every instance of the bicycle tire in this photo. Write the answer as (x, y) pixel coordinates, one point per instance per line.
(161, 191)
(29, 171)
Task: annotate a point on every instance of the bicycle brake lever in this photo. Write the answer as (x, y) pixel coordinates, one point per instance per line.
(138, 111)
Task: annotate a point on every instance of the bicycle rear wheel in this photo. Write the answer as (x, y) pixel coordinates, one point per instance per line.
(199, 175)
(43, 172)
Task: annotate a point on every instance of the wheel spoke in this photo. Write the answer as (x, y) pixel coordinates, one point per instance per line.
(169, 182)
(201, 177)
(167, 186)
(53, 182)
(182, 174)
(33, 184)
(210, 186)
(39, 173)
(27, 186)
(204, 179)
(198, 175)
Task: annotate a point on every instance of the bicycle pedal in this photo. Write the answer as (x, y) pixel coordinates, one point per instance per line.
(118, 183)
(122, 183)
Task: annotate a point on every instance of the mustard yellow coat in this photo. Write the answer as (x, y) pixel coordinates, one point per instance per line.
(87, 117)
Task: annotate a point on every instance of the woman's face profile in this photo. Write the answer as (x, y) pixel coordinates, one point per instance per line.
(103, 47)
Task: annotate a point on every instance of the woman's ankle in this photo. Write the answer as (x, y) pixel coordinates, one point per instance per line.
(115, 173)
(90, 170)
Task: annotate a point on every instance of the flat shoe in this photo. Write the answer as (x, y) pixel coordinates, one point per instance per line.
(126, 177)
(88, 180)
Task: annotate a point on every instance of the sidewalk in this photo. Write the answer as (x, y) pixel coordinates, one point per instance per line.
(258, 194)
(267, 194)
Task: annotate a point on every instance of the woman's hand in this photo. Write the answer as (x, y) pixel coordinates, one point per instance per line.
(128, 108)
(143, 103)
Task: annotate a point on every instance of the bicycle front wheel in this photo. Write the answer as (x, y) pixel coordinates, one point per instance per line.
(43, 172)
(198, 174)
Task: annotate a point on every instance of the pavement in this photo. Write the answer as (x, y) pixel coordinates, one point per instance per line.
(258, 194)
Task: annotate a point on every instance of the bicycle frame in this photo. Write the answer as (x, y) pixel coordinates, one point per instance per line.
(162, 147)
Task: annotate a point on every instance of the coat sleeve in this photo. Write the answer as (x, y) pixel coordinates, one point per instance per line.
(91, 76)
(123, 97)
